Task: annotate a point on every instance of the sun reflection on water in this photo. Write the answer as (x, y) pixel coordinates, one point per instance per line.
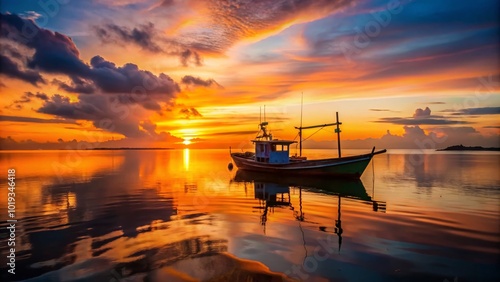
(186, 159)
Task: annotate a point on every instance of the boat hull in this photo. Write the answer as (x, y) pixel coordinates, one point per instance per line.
(347, 167)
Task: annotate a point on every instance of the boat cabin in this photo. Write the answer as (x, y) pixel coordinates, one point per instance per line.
(272, 151)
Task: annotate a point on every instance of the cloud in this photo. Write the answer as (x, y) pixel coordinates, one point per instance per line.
(41, 96)
(424, 121)
(9, 143)
(57, 53)
(383, 110)
(129, 78)
(414, 137)
(30, 15)
(27, 97)
(235, 133)
(188, 56)
(11, 69)
(142, 36)
(111, 113)
(113, 98)
(76, 85)
(228, 22)
(407, 49)
(492, 126)
(11, 51)
(419, 113)
(216, 25)
(148, 38)
(189, 112)
(34, 120)
(421, 117)
(53, 52)
(457, 130)
(191, 80)
(479, 111)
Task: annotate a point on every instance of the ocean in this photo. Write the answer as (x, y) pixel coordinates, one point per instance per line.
(182, 215)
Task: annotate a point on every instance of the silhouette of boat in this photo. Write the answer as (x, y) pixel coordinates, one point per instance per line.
(272, 155)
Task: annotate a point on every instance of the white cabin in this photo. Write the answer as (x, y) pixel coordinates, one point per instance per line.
(272, 151)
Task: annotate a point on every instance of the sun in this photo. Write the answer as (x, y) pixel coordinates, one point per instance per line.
(186, 142)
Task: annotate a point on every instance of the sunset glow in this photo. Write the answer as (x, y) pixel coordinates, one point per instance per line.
(177, 73)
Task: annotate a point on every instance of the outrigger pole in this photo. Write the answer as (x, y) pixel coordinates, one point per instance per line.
(337, 130)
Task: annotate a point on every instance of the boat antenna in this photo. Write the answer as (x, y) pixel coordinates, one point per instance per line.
(301, 108)
(260, 115)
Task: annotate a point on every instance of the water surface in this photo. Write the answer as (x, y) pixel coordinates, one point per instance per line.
(180, 214)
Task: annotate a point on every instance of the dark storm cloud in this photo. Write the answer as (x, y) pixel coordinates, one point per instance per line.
(77, 85)
(57, 53)
(10, 69)
(129, 78)
(54, 52)
(191, 80)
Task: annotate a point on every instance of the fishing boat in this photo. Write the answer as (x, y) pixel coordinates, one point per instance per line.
(273, 156)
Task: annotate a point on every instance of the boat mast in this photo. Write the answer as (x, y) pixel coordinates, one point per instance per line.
(300, 130)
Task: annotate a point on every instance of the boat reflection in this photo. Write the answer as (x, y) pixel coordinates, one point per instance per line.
(350, 188)
(273, 191)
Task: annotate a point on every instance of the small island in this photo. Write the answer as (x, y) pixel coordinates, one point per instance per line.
(465, 148)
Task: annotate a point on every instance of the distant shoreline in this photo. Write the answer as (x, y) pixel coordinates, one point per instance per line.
(471, 148)
(91, 149)
(127, 148)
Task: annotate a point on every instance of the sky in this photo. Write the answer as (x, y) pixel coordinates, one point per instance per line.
(198, 73)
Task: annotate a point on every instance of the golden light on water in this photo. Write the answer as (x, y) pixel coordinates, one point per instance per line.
(186, 159)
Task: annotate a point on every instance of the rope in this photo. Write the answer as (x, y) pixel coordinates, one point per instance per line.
(312, 134)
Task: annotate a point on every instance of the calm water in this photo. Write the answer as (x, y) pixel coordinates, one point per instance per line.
(181, 215)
